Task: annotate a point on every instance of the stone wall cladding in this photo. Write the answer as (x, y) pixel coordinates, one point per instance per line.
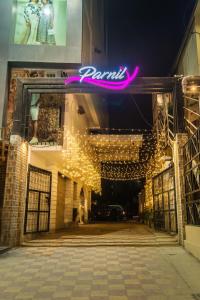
(3, 165)
(179, 142)
(54, 188)
(15, 194)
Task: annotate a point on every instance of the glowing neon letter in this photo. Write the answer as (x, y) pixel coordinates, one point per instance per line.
(104, 74)
(97, 75)
(89, 72)
(119, 80)
(122, 74)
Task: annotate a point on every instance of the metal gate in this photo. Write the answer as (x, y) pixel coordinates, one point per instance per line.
(192, 178)
(165, 217)
(37, 212)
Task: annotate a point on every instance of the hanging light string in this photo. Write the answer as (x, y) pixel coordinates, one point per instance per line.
(112, 156)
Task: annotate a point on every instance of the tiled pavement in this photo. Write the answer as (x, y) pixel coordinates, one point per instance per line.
(97, 273)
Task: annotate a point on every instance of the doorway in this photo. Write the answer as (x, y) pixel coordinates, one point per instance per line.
(37, 212)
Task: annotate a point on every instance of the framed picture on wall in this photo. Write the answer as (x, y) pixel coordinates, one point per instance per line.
(40, 22)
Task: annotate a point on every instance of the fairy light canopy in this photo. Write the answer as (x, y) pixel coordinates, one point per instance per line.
(122, 154)
(113, 155)
(116, 147)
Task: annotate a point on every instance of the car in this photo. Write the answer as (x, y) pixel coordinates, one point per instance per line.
(115, 212)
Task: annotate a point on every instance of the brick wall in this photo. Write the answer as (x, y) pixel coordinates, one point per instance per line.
(3, 164)
(54, 187)
(15, 193)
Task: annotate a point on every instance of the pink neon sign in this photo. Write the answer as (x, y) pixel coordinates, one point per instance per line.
(90, 75)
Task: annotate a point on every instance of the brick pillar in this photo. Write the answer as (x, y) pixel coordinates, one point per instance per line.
(3, 165)
(68, 214)
(178, 144)
(54, 187)
(15, 193)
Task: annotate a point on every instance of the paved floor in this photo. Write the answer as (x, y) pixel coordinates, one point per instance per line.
(99, 273)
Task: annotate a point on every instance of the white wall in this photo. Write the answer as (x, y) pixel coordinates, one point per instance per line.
(192, 241)
(189, 62)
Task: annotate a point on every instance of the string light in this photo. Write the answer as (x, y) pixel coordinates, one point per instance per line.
(79, 162)
(116, 156)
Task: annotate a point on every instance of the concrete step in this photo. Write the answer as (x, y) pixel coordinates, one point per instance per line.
(102, 241)
(103, 234)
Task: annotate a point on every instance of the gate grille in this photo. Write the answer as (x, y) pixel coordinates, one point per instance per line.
(165, 217)
(192, 178)
(37, 213)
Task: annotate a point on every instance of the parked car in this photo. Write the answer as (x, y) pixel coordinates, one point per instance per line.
(115, 213)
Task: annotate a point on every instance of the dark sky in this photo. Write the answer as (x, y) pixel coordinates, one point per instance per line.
(147, 33)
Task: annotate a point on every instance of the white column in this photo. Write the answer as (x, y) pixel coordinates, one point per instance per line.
(87, 192)
(68, 214)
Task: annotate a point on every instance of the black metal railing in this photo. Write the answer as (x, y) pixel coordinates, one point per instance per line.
(37, 212)
(192, 178)
(191, 113)
(165, 217)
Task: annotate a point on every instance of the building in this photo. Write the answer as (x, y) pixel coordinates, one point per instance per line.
(175, 192)
(188, 65)
(45, 172)
(50, 162)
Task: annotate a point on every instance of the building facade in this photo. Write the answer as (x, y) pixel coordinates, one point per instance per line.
(173, 185)
(47, 174)
(188, 65)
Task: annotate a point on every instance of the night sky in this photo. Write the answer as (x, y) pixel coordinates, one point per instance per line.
(147, 33)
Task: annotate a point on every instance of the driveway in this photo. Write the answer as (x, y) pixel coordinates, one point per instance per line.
(99, 273)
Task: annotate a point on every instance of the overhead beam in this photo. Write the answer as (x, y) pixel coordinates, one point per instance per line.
(141, 85)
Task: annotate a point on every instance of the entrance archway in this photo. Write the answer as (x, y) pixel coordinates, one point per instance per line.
(27, 87)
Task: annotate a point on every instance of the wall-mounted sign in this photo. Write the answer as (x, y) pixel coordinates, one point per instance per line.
(116, 80)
